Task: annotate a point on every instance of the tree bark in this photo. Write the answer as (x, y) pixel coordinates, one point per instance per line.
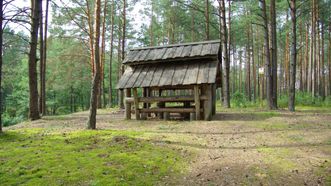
(91, 123)
(123, 51)
(268, 65)
(329, 58)
(207, 19)
(101, 95)
(41, 60)
(225, 56)
(110, 100)
(291, 102)
(33, 83)
(43, 70)
(1, 42)
(273, 49)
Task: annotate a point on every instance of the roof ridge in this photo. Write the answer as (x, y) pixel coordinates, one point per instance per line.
(176, 45)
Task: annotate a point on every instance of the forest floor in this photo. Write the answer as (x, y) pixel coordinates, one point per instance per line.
(248, 146)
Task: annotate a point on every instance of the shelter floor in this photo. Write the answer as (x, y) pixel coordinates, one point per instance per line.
(247, 147)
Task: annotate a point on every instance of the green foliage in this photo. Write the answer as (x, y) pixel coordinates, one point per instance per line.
(238, 99)
(36, 157)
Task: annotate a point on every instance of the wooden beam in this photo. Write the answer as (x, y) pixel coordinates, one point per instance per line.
(207, 104)
(166, 99)
(136, 103)
(170, 110)
(197, 102)
(128, 104)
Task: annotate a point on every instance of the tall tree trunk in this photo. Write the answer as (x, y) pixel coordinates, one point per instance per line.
(151, 27)
(207, 19)
(43, 70)
(306, 69)
(41, 61)
(1, 42)
(248, 68)
(119, 33)
(329, 58)
(91, 39)
(240, 71)
(123, 51)
(268, 65)
(273, 35)
(291, 102)
(322, 63)
(225, 56)
(101, 95)
(33, 82)
(300, 61)
(110, 100)
(91, 123)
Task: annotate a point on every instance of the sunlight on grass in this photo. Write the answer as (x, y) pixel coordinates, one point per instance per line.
(35, 157)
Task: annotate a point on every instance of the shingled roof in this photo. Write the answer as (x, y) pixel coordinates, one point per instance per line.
(178, 52)
(159, 66)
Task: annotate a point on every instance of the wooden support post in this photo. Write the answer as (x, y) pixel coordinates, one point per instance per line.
(197, 102)
(128, 104)
(192, 116)
(160, 105)
(214, 99)
(136, 103)
(166, 116)
(207, 104)
(186, 116)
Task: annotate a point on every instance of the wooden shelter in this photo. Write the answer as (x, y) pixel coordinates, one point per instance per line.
(181, 79)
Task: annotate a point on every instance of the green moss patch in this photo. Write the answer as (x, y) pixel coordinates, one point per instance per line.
(36, 157)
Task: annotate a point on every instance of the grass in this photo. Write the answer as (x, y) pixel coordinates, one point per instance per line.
(36, 157)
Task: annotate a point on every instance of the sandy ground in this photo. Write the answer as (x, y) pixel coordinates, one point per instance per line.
(236, 148)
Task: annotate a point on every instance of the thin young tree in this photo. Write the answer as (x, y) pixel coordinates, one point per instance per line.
(291, 102)
(1, 42)
(91, 123)
(33, 82)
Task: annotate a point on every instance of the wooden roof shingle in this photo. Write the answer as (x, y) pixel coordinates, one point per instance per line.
(171, 53)
(155, 75)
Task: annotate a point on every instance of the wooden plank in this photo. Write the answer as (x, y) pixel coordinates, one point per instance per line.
(203, 73)
(137, 56)
(169, 53)
(159, 53)
(133, 77)
(157, 75)
(143, 55)
(167, 75)
(206, 49)
(131, 55)
(149, 76)
(125, 77)
(186, 51)
(151, 54)
(136, 103)
(196, 50)
(191, 74)
(141, 77)
(212, 72)
(197, 102)
(207, 104)
(178, 51)
(128, 104)
(166, 99)
(179, 74)
(169, 110)
(214, 48)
